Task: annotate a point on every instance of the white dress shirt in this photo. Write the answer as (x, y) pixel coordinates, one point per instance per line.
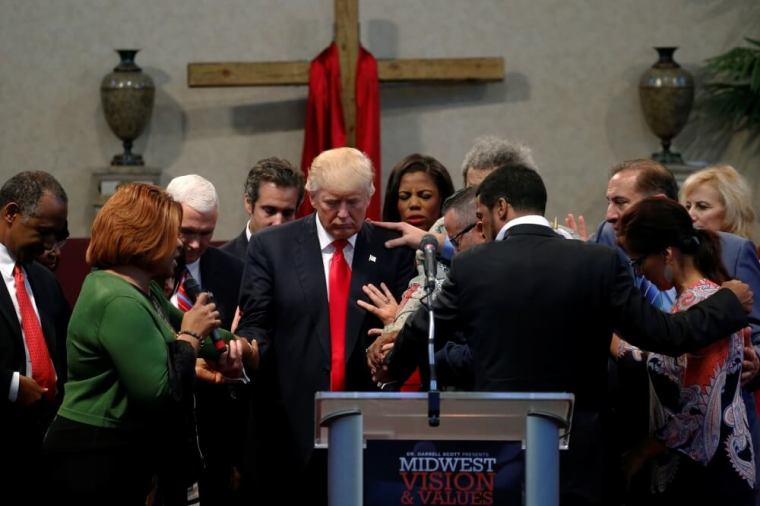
(327, 248)
(7, 263)
(530, 219)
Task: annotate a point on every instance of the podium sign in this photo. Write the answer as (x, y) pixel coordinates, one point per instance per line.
(345, 420)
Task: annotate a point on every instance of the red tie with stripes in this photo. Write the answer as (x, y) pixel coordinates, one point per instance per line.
(183, 301)
(43, 371)
(340, 282)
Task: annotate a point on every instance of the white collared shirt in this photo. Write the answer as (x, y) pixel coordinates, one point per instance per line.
(248, 232)
(7, 263)
(530, 219)
(327, 248)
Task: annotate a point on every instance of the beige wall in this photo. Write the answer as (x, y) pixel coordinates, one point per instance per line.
(570, 89)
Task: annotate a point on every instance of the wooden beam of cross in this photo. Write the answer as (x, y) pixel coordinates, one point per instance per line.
(205, 75)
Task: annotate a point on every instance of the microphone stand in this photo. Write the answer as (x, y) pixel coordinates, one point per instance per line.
(434, 396)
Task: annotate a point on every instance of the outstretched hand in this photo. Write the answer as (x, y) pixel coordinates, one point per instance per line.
(384, 304)
(411, 236)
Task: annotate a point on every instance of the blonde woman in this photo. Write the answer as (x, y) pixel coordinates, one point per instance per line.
(718, 198)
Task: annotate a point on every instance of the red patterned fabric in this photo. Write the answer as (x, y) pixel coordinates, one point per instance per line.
(340, 283)
(325, 128)
(43, 371)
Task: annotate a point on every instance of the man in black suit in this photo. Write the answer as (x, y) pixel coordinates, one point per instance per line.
(299, 302)
(273, 192)
(538, 312)
(33, 206)
(220, 407)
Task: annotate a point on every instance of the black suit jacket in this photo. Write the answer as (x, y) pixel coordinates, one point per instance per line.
(285, 308)
(21, 426)
(220, 409)
(221, 274)
(237, 247)
(538, 312)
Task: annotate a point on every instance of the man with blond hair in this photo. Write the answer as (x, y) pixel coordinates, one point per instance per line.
(299, 298)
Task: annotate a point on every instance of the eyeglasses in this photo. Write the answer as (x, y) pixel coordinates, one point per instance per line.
(456, 238)
(59, 244)
(635, 264)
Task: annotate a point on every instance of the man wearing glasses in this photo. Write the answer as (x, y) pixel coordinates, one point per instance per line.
(33, 318)
(52, 254)
(454, 360)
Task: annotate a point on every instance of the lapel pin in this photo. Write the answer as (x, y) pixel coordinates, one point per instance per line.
(372, 258)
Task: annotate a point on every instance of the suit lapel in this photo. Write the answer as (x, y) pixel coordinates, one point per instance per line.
(363, 268)
(209, 273)
(311, 273)
(8, 311)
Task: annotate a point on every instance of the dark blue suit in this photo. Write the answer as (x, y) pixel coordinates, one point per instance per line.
(283, 298)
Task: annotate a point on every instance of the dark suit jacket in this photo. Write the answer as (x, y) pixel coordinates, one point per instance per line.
(220, 409)
(221, 274)
(237, 247)
(18, 424)
(538, 312)
(285, 309)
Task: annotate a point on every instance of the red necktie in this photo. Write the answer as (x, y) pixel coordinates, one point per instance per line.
(183, 301)
(42, 367)
(340, 282)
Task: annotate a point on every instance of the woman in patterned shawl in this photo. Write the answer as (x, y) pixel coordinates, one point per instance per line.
(701, 451)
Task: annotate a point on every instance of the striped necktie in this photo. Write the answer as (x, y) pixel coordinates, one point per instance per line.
(183, 301)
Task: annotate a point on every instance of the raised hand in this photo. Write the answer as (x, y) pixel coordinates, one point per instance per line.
(579, 226)
(384, 305)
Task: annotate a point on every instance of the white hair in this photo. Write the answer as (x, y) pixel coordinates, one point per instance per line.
(194, 191)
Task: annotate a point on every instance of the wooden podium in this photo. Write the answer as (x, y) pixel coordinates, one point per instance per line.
(345, 420)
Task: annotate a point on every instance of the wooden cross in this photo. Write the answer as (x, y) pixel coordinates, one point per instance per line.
(347, 39)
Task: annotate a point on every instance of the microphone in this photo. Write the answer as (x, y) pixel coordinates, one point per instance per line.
(429, 248)
(193, 289)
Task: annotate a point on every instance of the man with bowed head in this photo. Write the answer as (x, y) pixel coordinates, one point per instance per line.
(299, 298)
(33, 318)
